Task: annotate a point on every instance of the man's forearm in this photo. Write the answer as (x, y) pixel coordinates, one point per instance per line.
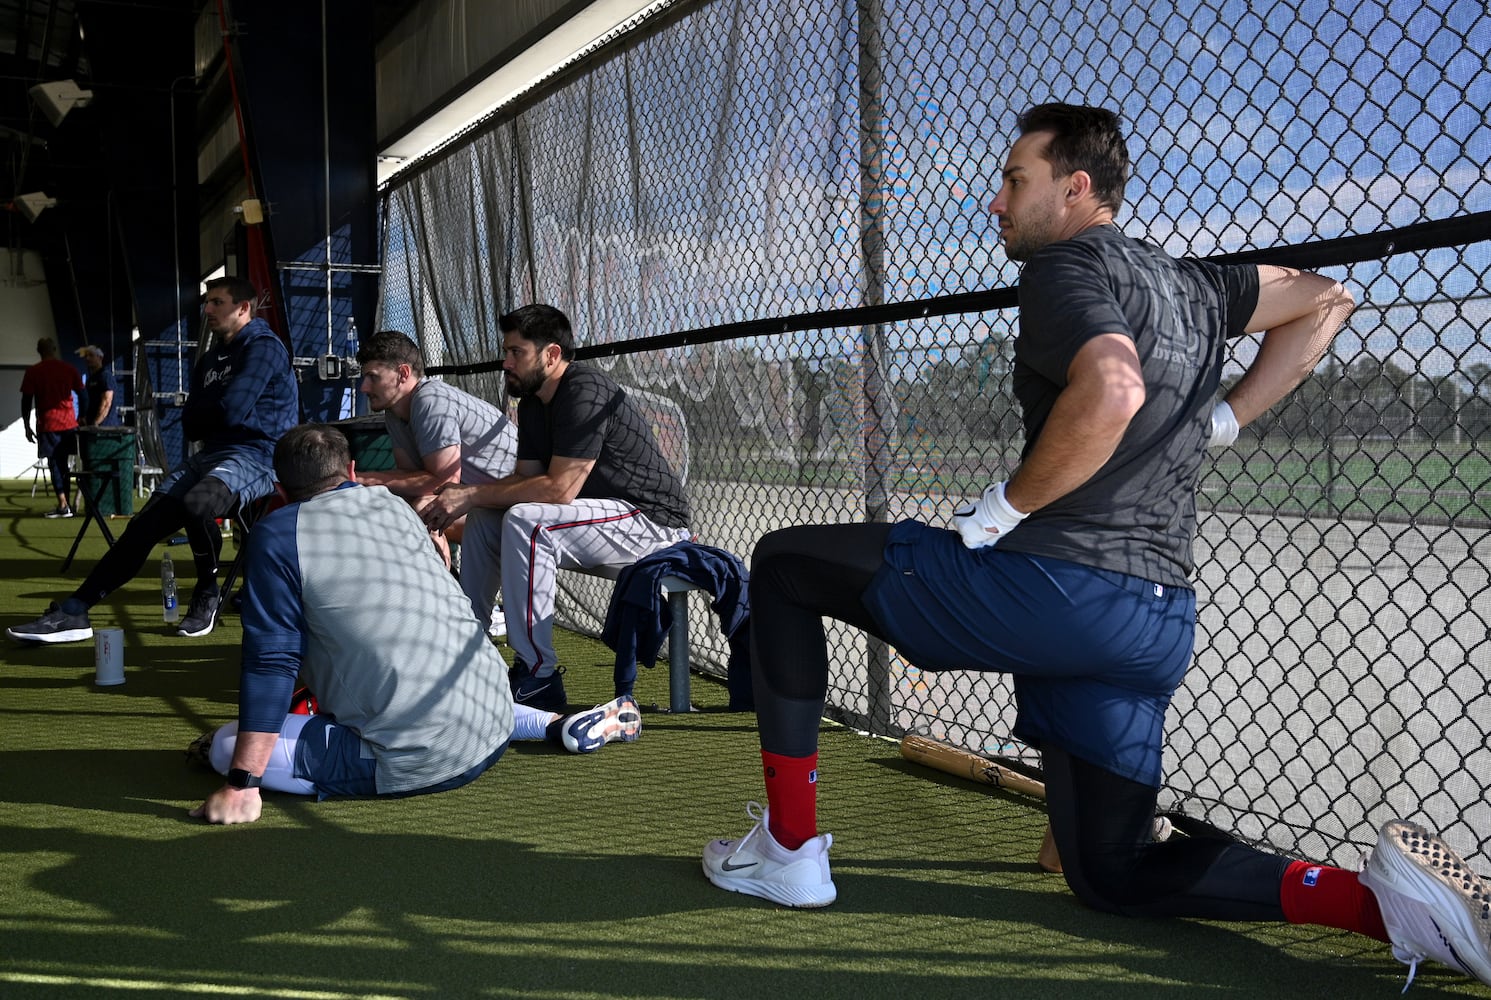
(1286, 356)
(252, 751)
(407, 483)
(1301, 313)
(1071, 449)
(514, 489)
(1105, 388)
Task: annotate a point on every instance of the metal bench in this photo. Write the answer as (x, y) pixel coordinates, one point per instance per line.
(677, 590)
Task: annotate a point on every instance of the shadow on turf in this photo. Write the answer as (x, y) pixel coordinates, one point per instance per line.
(316, 893)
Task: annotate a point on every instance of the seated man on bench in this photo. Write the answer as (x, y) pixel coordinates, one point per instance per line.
(592, 488)
(440, 434)
(243, 398)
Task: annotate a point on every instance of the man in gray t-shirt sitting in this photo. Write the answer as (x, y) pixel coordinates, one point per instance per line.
(440, 434)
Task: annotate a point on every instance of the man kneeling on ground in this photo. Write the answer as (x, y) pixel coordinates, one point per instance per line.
(344, 591)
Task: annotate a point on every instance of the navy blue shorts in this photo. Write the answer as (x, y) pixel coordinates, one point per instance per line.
(59, 443)
(242, 470)
(337, 761)
(1095, 655)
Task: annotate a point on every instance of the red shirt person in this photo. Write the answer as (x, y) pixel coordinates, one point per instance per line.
(48, 386)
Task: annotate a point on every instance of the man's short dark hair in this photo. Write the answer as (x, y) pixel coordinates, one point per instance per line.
(238, 289)
(541, 325)
(311, 459)
(392, 347)
(1083, 138)
(46, 347)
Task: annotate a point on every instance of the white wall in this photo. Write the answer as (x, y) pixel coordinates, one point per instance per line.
(27, 317)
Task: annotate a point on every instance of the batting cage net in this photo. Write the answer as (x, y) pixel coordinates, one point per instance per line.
(771, 219)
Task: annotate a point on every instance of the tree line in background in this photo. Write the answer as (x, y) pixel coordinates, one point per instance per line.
(961, 399)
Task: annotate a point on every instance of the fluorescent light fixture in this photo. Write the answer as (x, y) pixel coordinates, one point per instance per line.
(33, 204)
(512, 79)
(59, 97)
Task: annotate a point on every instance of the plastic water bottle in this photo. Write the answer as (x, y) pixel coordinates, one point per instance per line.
(168, 589)
(351, 337)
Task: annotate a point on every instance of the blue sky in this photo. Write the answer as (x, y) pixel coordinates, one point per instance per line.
(725, 184)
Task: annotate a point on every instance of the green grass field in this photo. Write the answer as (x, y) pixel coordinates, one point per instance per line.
(1397, 481)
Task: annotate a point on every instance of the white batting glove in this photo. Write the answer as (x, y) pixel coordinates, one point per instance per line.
(988, 519)
(1223, 426)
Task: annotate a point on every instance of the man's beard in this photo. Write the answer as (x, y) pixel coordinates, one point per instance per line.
(1027, 242)
(519, 386)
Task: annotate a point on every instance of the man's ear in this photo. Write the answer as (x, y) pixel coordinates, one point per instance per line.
(351, 470)
(1078, 184)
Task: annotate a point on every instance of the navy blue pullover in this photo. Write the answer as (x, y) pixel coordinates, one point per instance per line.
(243, 393)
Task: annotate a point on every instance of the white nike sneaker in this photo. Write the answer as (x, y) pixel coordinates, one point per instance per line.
(587, 732)
(759, 866)
(1433, 905)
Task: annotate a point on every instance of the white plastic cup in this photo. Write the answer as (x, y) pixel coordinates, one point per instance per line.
(108, 656)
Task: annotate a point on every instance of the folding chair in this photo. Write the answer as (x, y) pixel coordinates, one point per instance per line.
(40, 468)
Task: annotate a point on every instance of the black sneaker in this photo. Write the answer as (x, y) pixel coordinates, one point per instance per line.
(59, 512)
(202, 615)
(543, 693)
(199, 751)
(55, 626)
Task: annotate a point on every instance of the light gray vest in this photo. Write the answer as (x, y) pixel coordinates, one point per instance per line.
(392, 648)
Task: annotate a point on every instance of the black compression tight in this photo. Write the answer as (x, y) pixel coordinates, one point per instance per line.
(799, 575)
(1101, 821)
(162, 516)
(1102, 825)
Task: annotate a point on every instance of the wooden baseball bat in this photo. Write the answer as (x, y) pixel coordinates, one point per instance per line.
(965, 764)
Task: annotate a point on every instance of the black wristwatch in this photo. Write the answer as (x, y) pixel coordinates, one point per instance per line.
(239, 778)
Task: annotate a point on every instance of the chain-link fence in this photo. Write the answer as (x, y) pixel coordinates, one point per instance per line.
(774, 214)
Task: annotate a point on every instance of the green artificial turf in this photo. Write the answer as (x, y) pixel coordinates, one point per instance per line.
(551, 876)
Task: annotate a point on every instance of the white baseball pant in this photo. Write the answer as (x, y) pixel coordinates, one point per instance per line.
(525, 547)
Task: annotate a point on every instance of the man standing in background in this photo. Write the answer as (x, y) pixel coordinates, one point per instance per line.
(103, 390)
(48, 386)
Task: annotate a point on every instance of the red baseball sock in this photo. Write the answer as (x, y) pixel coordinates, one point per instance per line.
(1334, 897)
(791, 797)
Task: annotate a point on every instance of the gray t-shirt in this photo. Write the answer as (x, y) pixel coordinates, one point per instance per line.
(1137, 514)
(441, 415)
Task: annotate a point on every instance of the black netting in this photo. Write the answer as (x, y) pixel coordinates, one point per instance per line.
(774, 215)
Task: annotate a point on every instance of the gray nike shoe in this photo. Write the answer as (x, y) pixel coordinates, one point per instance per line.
(759, 866)
(1434, 906)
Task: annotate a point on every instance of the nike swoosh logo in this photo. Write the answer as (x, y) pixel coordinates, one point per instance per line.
(727, 866)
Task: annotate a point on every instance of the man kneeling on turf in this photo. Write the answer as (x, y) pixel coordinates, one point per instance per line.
(343, 590)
